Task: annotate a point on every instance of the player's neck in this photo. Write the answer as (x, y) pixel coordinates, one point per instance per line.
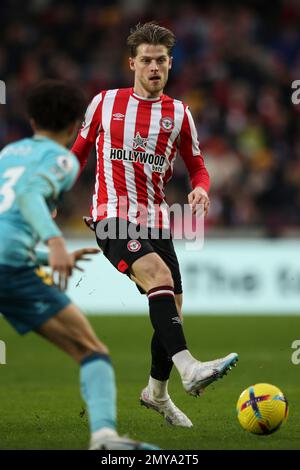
(140, 91)
(61, 139)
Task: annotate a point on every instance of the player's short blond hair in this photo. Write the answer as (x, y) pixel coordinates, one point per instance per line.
(150, 33)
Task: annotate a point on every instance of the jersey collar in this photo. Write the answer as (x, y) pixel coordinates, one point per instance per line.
(145, 100)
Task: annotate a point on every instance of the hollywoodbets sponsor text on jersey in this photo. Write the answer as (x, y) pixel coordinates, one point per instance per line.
(157, 161)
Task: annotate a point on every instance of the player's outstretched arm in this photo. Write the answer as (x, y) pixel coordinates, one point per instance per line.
(56, 175)
(191, 155)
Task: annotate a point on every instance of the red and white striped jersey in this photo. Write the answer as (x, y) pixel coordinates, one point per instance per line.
(137, 141)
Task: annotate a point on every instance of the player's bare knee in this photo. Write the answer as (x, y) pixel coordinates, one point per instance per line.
(152, 272)
(161, 277)
(164, 279)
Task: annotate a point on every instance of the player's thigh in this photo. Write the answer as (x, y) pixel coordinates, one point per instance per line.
(151, 271)
(72, 332)
(132, 256)
(164, 247)
(114, 237)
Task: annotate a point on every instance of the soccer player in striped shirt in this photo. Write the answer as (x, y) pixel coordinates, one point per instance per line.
(138, 132)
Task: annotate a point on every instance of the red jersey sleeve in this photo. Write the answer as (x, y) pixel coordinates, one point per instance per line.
(89, 131)
(191, 154)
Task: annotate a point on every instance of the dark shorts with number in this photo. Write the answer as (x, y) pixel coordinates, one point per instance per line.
(28, 297)
(123, 243)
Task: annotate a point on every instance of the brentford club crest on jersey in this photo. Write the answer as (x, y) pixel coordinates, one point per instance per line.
(133, 245)
(167, 124)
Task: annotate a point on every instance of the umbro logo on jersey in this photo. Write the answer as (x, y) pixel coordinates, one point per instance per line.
(118, 116)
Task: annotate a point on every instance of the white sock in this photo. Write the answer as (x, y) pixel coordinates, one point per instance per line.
(158, 390)
(183, 362)
(103, 432)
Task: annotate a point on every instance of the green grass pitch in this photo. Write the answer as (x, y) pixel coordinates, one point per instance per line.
(41, 407)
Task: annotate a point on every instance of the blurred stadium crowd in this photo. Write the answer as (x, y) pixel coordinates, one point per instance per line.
(234, 63)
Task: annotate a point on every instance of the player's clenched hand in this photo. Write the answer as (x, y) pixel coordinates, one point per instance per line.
(196, 197)
(60, 261)
(79, 255)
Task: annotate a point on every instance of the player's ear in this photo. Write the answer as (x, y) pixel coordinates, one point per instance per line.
(170, 63)
(33, 124)
(131, 63)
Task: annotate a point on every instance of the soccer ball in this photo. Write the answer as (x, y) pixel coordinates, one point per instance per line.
(262, 408)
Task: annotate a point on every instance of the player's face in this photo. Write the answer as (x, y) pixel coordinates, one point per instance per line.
(151, 69)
